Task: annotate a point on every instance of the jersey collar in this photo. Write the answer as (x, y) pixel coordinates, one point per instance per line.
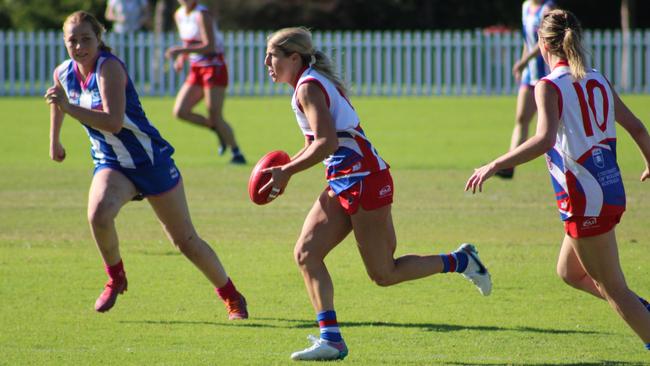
(302, 71)
(560, 63)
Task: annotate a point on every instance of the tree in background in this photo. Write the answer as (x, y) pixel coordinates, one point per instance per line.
(339, 14)
(39, 14)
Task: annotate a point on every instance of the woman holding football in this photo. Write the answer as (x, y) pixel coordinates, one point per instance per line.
(358, 197)
(577, 111)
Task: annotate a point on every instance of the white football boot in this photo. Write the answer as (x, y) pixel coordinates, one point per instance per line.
(321, 350)
(476, 271)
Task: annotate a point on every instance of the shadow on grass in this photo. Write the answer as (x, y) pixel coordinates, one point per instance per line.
(599, 363)
(299, 323)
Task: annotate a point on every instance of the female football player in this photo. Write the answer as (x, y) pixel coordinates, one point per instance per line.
(527, 71)
(208, 77)
(132, 160)
(358, 197)
(577, 108)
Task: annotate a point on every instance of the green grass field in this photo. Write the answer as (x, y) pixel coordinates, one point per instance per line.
(51, 272)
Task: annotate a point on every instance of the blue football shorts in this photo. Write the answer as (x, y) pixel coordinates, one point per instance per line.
(149, 181)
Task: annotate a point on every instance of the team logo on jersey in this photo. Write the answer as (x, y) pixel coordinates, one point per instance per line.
(73, 95)
(598, 158)
(356, 167)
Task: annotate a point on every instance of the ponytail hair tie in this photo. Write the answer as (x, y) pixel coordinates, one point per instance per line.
(312, 60)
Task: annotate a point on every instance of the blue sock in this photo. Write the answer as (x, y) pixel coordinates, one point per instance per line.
(454, 262)
(647, 346)
(235, 150)
(329, 328)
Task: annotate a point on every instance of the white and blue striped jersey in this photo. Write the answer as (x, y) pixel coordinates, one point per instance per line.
(531, 19)
(138, 144)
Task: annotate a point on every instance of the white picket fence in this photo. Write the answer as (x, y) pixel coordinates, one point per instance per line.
(372, 63)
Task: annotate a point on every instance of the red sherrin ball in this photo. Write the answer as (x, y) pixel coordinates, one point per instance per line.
(259, 179)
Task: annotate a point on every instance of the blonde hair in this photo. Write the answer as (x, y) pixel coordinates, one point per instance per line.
(79, 17)
(298, 40)
(561, 31)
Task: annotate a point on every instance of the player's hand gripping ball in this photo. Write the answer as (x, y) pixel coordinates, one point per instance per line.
(259, 179)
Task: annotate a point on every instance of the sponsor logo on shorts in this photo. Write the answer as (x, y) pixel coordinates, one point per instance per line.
(173, 172)
(385, 191)
(590, 222)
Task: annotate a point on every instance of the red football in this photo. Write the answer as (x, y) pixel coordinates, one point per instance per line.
(259, 179)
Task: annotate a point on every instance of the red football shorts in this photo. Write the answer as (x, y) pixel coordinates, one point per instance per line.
(372, 192)
(582, 227)
(209, 76)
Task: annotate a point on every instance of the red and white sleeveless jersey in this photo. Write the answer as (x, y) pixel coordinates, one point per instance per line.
(583, 167)
(190, 32)
(355, 157)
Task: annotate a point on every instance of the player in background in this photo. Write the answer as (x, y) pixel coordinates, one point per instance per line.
(358, 197)
(577, 111)
(527, 71)
(208, 77)
(132, 161)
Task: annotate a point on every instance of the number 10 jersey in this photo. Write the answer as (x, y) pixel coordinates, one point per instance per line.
(583, 167)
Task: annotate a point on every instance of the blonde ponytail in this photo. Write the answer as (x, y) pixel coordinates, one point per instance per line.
(561, 32)
(574, 53)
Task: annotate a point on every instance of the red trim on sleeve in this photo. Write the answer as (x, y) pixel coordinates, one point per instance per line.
(320, 85)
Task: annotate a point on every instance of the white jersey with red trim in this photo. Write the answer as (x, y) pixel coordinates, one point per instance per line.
(583, 167)
(355, 157)
(190, 33)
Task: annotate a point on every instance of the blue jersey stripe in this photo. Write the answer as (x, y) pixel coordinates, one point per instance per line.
(106, 153)
(138, 144)
(134, 147)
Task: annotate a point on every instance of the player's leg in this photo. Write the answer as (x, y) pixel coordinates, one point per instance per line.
(376, 240)
(214, 98)
(109, 191)
(572, 271)
(524, 112)
(173, 213)
(187, 98)
(599, 256)
(325, 227)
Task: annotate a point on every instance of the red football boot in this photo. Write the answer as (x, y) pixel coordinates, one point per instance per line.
(236, 308)
(107, 299)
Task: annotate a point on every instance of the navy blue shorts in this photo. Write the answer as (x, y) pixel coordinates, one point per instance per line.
(151, 180)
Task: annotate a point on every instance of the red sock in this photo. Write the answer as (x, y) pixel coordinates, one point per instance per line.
(228, 291)
(116, 271)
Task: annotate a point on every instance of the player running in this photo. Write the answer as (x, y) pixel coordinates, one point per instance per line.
(577, 108)
(358, 197)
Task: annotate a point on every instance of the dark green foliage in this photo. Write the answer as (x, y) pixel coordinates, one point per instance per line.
(335, 14)
(39, 14)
